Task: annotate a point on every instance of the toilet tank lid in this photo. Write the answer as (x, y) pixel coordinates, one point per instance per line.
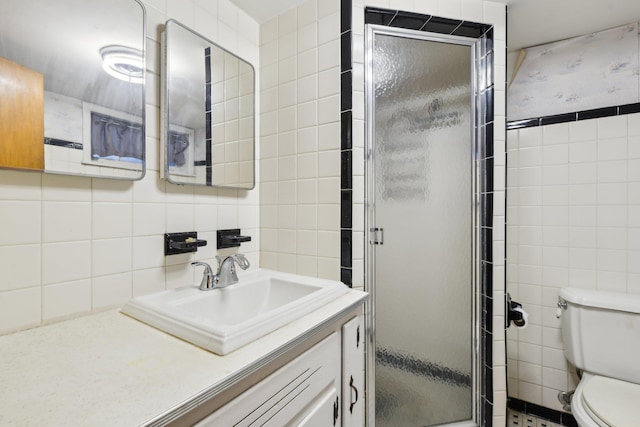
(602, 299)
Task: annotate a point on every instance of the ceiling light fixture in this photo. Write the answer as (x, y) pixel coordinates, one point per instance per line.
(124, 63)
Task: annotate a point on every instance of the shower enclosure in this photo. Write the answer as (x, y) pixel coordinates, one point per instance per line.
(422, 198)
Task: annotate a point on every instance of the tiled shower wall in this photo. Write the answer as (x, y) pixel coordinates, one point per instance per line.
(573, 213)
(300, 140)
(73, 245)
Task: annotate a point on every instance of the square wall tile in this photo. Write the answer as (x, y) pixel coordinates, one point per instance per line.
(307, 265)
(111, 291)
(148, 252)
(65, 262)
(329, 55)
(180, 217)
(149, 219)
(20, 309)
(328, 28)
(66, 299)
(329, 268)
(17, 185)
(148, 281)
(110, 256)
(307, 242)
(21, 222)
(307, 37)
(66, 221)
(21, 267)
(112, 220)
(308, 217)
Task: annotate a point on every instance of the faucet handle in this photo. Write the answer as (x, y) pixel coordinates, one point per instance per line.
(241, 260)
(207, 267)
(227, 274)
(209, 280)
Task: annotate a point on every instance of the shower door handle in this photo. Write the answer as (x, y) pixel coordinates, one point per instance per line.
(377, 236)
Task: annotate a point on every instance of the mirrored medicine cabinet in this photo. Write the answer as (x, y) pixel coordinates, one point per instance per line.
(72, 87)
(207, 112)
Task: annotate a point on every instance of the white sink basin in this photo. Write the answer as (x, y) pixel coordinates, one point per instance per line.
(222, 320)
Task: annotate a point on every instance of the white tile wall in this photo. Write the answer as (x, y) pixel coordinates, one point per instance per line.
(573, 200)
(73, 245)
(300, 192)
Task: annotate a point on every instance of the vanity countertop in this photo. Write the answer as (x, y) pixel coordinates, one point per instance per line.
(109, 369)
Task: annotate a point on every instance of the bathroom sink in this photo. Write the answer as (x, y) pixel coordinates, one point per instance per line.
(221, 320)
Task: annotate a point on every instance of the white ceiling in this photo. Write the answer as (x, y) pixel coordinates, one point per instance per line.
(263, 10)
(530, 22)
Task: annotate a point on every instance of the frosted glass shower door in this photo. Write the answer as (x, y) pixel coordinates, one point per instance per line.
(421, 187)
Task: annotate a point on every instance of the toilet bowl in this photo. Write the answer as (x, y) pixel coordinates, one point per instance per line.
(601, 336)
(606, 402)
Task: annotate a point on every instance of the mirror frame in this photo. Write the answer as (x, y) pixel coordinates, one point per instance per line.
(165, 95)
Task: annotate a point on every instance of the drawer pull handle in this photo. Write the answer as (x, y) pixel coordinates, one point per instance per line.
(353, 389)
(336, 410)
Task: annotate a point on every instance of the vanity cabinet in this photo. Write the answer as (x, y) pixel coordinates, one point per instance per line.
(323, 386)
(304, 390)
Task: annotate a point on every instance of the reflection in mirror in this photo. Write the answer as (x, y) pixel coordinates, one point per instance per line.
(72, 75)
(208, 112)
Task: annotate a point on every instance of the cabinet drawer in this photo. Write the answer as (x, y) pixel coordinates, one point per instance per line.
(306, 389)
(327, 403)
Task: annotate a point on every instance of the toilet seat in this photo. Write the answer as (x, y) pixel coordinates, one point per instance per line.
(606, 402)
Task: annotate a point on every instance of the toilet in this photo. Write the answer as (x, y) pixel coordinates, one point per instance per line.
(601, 335)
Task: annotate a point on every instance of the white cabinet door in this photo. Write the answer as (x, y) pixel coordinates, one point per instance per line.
(326, 412)
(353, 372)
(306, 389)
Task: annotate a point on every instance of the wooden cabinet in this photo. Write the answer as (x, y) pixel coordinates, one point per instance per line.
(21, 117)
(322, 387)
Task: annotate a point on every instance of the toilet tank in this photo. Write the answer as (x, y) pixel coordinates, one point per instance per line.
(601, 332)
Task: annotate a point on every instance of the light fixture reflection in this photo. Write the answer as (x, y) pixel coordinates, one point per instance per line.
(124, 63)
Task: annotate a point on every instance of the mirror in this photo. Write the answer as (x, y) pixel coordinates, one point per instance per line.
(208, 124)
(72, 72)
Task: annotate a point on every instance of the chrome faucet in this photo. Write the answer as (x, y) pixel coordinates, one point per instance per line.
(226, 274)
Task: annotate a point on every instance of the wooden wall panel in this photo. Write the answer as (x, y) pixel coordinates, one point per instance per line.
(21, 117)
